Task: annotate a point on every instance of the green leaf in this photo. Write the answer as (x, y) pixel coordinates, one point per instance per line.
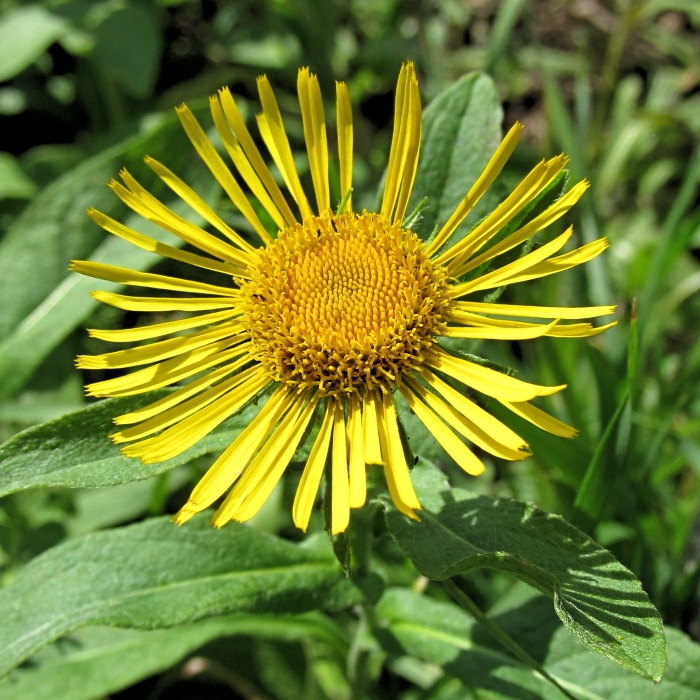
(461, 130)
(443, 636)
(14, 182)
(154, 575)
(74, 450)
(100, 660)
(134, 70)
(598, 600)
(25, 33)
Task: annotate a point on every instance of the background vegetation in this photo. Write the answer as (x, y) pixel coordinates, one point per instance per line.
(88, 87)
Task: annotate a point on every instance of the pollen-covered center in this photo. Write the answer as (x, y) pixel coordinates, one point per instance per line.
(342, 303)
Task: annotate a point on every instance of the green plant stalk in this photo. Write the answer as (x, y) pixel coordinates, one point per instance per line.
(501, 635)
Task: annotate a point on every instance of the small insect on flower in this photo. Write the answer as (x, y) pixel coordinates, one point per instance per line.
(332, 316)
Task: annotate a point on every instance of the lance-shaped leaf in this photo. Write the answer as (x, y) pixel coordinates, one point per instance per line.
(154, 575)
(75, 451)
(600, 601)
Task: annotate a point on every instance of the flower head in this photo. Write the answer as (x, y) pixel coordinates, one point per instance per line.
(334, 315)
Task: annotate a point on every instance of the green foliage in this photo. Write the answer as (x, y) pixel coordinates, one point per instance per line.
(436, 609)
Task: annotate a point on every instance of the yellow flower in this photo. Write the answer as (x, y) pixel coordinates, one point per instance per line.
(333, 315)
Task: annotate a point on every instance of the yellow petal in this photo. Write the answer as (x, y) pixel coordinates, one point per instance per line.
(477, 190)
(251, 151)
(396, 471)
(170, 371)
(188, 431)
(472, 431)
(231, 463)
(161, 350)
(345, 142)
(314, 123)
(154, 246)
(370, 429)
(157, 330)
(498, 432)
(484, 307)
(356, 439)
(268, 465)
(541, 419)
(177, 410)
(508, 273)
(160, 304)
(523, 332)
(183, 393)
(538, 179)
(561, 262)
(311, 477)
(123, 275)
(550, 215)
(149, 207)
(340, 485)
(487, 381)
(450, 442)
(275, 138)
(223, 175)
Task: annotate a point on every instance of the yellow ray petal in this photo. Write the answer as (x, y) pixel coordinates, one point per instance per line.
(145, 204)
(476, 415)
(268, 465)
(370, 430)
(561, 262)
(183, 408)
(566, 312)
(356, 440)
(472, 431)
(529, 188)
(414, 129)
(180, 395)
(477, 190)
(314, 123)
(485, 380)
(243, 166)
(405, 143)
(522, 332)
(275, 138)
(340, 484)
(277, 465)
(156, 330)
(170, 371)
(345, 142)
(550, 215)
(231, 463)
(123, 275)
(131, 303)
(450, 442)
(190, 430)
(154, 246)
(398, 477)
(251, 151)
(311, 478)
(218, 169)
(541, 419)
(504, 275)
(161, 350)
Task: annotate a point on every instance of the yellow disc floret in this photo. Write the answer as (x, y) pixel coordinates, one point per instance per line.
(343, 303)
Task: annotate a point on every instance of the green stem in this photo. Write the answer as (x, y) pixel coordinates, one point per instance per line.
(501, 635)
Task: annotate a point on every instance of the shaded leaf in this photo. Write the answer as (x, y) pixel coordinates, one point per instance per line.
(598, 600)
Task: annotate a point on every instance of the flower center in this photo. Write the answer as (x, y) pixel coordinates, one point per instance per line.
(342, 303)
